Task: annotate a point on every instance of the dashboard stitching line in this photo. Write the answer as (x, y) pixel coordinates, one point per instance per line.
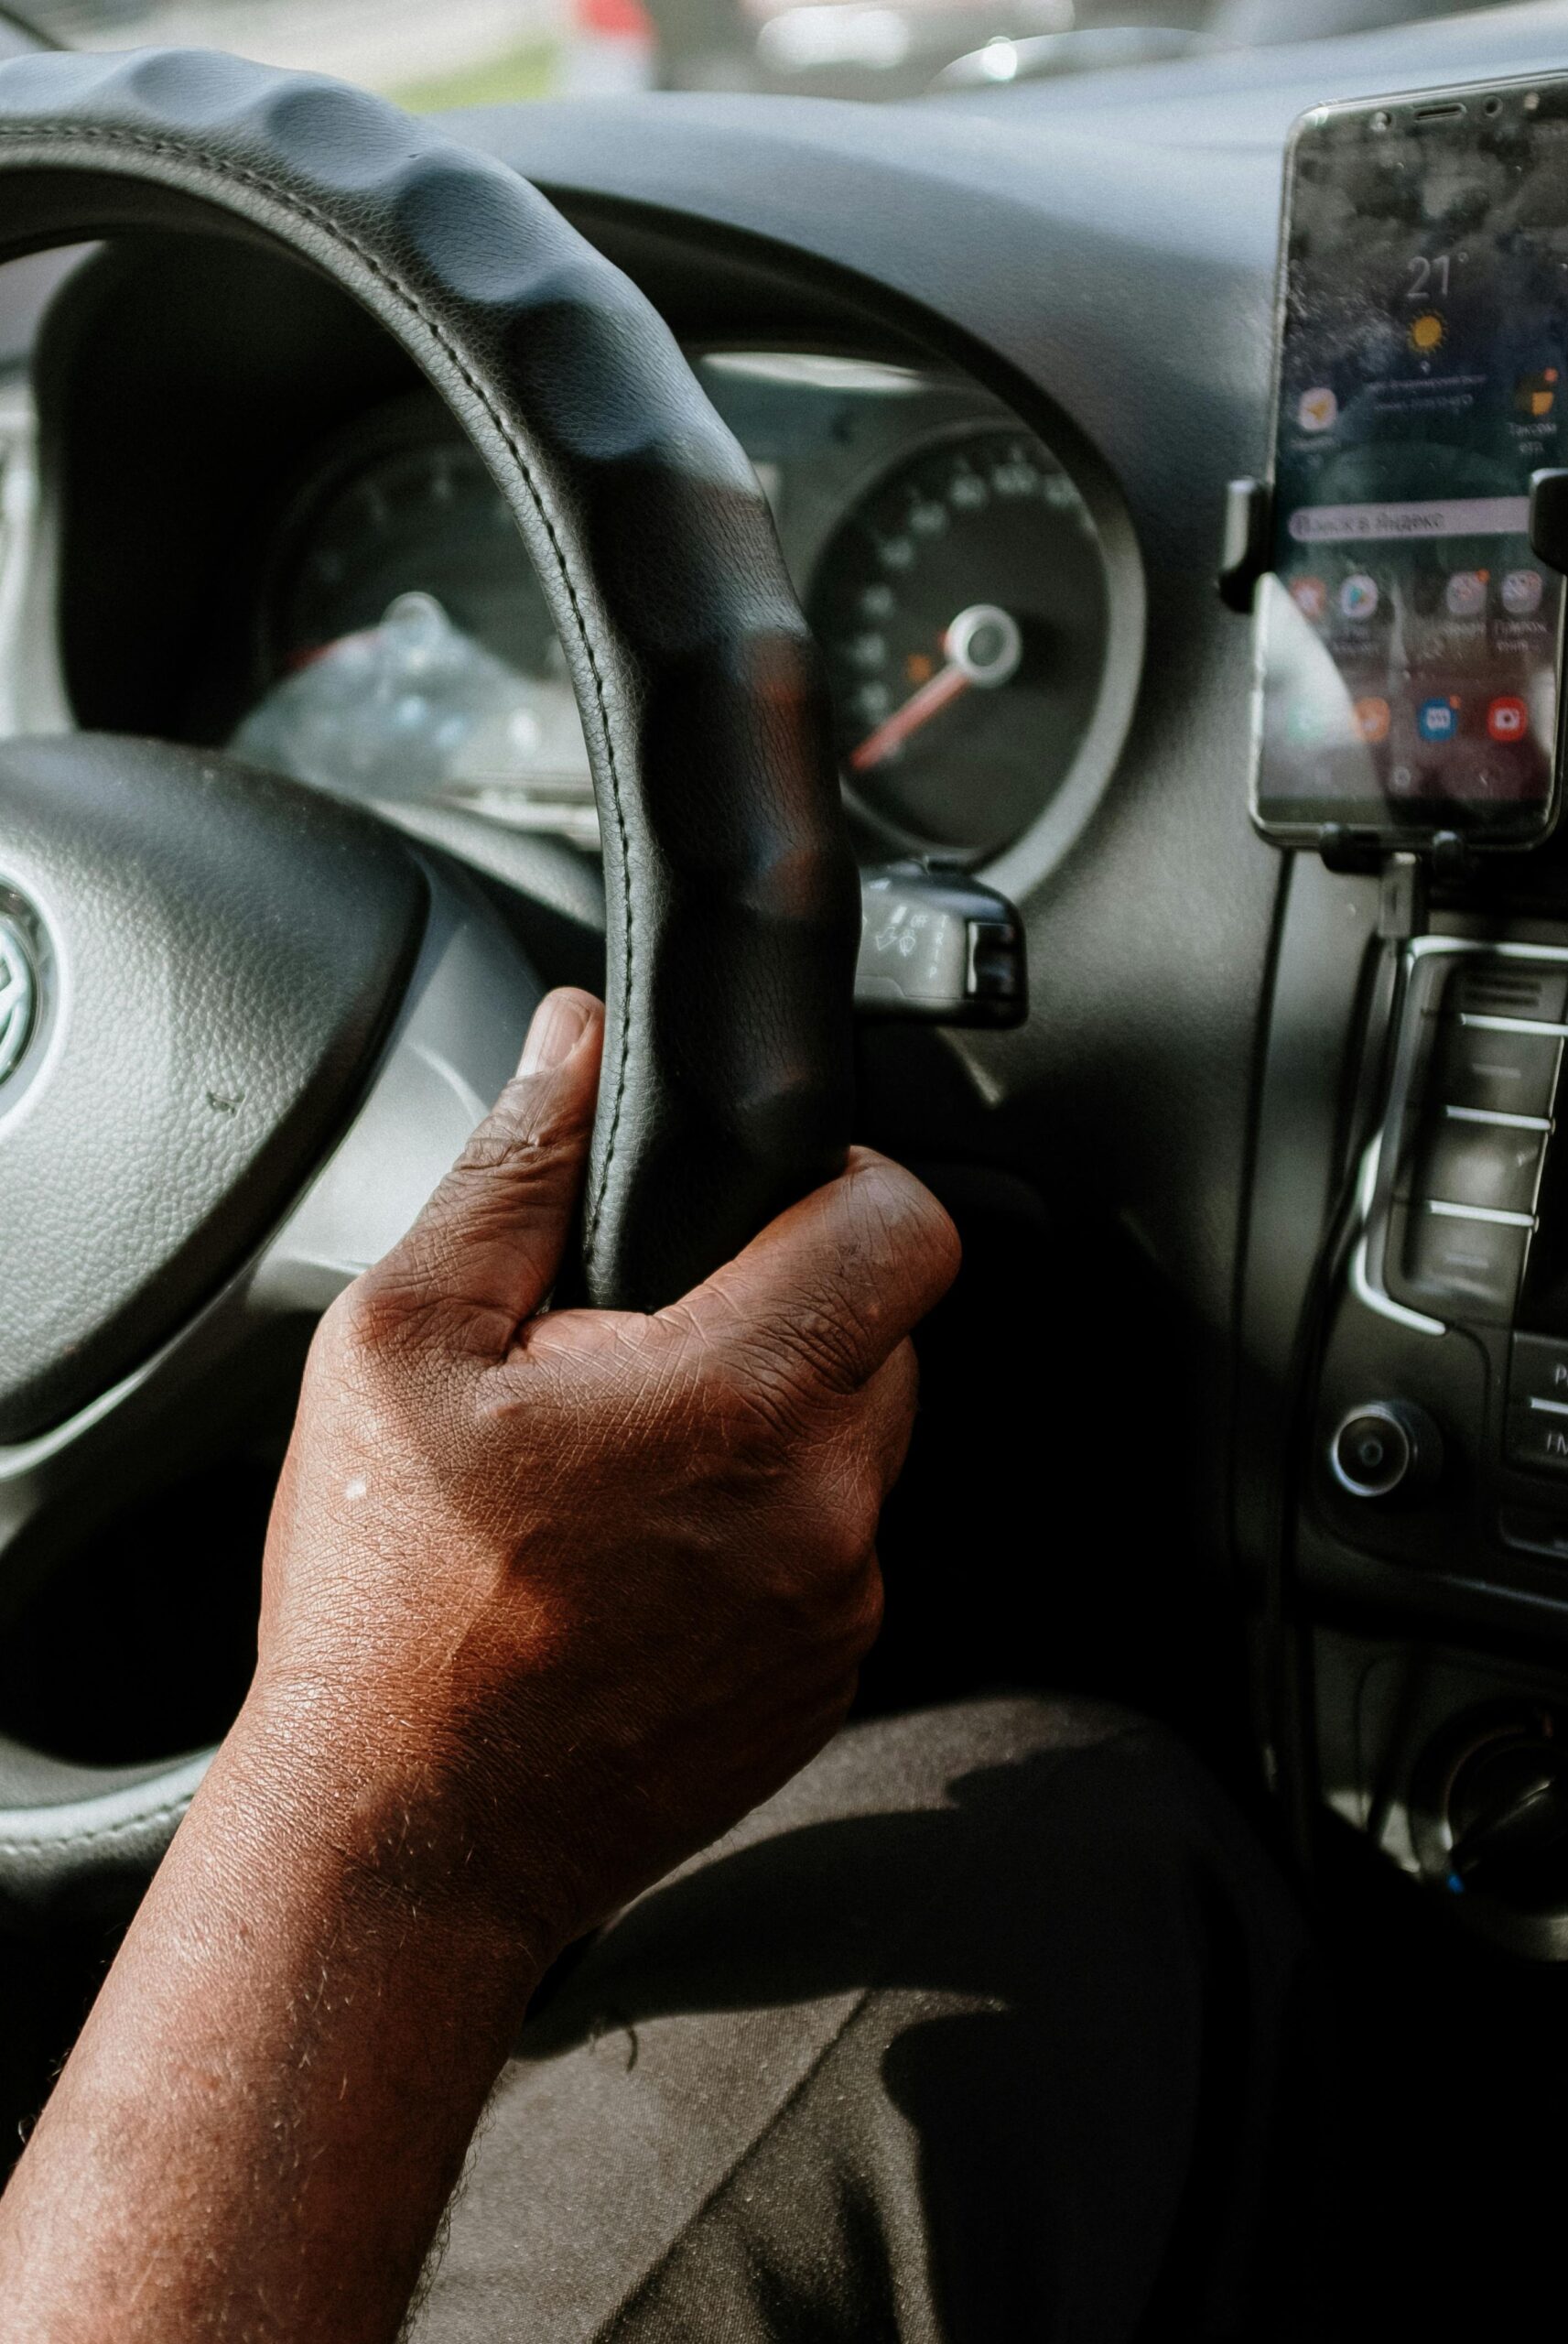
(65, 133)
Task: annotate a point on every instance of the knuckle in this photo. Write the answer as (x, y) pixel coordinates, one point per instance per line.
(825, 1343)
(510, 1141)
(907, 1248)
(506, 1164)
(779, 1375)
(834, 1531)
(357, 1321)
(389, 1310)
(526, 1152)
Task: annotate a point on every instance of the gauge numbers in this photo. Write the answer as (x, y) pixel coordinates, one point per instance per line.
(963, 609)
(414, 653)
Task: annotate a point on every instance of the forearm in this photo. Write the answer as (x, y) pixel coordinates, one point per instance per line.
(270, 2104)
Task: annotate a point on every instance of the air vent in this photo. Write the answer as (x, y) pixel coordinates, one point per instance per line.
(1508, 989)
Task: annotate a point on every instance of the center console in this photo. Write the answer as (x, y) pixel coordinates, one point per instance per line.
(1405, 1337)
(1442, 1397)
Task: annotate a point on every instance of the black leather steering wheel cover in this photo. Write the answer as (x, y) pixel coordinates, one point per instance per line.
(733, 904)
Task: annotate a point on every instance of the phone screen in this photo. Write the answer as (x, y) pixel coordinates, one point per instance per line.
(1408, 637)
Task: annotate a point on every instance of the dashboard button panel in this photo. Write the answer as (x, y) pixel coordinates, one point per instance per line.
(1456, 1291)
(1493, 1068)
(1463, 1157)
(1456, 1264)
(1538, 1370)
(1538, 1437)
(1537, 1432)
(1492, 986)
(1465, 1256)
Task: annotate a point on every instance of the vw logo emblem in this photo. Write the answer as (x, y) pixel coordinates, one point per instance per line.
(18, 996)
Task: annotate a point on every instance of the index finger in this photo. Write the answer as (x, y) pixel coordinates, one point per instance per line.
(836, 1281)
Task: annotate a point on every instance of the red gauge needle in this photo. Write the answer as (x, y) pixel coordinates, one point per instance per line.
(981, 649)
(892, 733)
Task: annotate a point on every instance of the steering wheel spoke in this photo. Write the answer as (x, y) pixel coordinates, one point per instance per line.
(454, 1044)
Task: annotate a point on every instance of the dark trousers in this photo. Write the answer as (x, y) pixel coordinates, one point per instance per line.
(989, 2027)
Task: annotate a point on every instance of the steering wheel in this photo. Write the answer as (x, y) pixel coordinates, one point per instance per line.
(244, 1028)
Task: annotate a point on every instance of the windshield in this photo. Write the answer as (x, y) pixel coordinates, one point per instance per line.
(488, 52)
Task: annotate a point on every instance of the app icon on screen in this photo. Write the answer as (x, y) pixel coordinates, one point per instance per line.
(1371, 719)
(1507, 719)
(1310, 596)
(1522, 592)
(1535, 394)
(1358, 596)
(1466, 593)
(1317, 410)
(1305, 722)
(1438, 719)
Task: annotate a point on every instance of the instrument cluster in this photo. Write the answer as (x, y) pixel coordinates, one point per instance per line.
(947, 561)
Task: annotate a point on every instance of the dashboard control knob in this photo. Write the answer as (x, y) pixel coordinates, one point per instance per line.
(1386, 1450)
(1508, 1813)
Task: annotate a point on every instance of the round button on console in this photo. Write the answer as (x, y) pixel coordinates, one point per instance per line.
(1386, 1448)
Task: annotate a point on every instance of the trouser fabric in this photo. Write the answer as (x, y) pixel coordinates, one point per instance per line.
(991, 2024)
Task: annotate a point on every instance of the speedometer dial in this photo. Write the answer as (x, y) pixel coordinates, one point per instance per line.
(963, 609)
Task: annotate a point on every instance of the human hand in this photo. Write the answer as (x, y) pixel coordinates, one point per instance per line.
(564, 1595)
(549, 1599)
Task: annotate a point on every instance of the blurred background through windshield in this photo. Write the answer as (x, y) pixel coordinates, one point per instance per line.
(431, 54)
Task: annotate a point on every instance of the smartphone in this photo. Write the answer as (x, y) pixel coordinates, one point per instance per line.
(1407, 641)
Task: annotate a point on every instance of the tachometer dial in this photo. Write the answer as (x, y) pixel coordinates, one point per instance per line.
(412, 648)
(963, 610)
(425, 517)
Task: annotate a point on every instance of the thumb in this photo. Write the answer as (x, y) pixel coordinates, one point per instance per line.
(486, 1250)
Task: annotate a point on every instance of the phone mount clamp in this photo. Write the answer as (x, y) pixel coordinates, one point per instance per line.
(1405, 873)
(1244, 547)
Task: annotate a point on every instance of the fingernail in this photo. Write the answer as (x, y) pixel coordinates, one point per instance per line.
(555, 1033)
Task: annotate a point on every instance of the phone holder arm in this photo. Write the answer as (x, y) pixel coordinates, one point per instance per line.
(1244, 549)
(1549, 517)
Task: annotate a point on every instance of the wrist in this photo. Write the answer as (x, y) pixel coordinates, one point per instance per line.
(296, 2041)
(382, 1817)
